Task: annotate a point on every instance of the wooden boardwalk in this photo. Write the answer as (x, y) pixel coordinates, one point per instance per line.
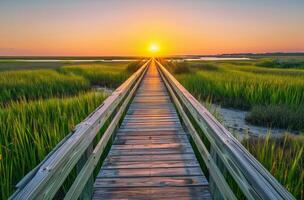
(151, 157)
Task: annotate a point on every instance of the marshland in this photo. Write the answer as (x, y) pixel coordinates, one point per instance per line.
(270, 90)
(151, 100)
(40, 106)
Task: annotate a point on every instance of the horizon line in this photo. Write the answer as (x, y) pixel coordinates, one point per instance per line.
(169, 55)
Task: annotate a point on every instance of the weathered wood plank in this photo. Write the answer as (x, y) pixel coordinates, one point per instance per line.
(151, 125)
(176, 181)
(149, 141)
(151, 164)
(134, 117)
(148, 193)
(151, 146)
(140, 120)
(150, 151)
(152, 137)
(155, 172)
(150, 133)
(150, 129)
(144, 158)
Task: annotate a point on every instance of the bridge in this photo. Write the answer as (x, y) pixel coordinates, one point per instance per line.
(151, 139)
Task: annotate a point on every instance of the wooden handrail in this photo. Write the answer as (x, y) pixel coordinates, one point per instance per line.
(215, 173)
(252, 178)
(45, 180)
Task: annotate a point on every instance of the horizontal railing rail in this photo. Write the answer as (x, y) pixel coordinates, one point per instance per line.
(76, 149)
(251, 177)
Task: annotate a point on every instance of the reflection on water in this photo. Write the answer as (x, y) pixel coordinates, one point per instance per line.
(216, 58)
(209, 59)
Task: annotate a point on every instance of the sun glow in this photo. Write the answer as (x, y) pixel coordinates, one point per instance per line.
(153, 48)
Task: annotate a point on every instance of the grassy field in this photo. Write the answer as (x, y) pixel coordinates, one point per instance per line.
(29, 130)
(246, 85)
(283, 157)
(39, 106)
(43, 105)
(9, 65)
(34, 84)
(67, 80)
(104, 74)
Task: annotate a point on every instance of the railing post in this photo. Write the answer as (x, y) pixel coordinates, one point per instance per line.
(216, 194)
(88, 188)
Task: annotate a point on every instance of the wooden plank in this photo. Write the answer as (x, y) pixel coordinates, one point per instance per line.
(151, 146)
(148, 193)
(151, 164)
(152, 137)
(152, 121)
(150, 151)
(150, 129)
(150, 125)
(176, 181)
(150, 133)
(139, 118)
(155, 172)
(149, 141)
(144, 158)
(147, 122)
(151, 115)
(151, 112)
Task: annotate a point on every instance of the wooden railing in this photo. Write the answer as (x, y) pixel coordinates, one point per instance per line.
(77, 150)
(225, 154)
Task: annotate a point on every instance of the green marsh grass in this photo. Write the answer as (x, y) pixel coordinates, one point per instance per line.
(37, 84)
(12, 65)
(29, 130)
(134, 66)
(243, 85)
(277, 116)
(283, 157)
(110, 74)
(281, 63)
(242, 89)
(38, 107)
(273, 95)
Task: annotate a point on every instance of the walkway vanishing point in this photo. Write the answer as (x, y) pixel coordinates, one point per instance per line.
(151, 126)
(151, 156)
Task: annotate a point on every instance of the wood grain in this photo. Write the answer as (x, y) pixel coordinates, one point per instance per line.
(147, 193)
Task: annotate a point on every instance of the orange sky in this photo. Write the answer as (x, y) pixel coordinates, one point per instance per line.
(93, 28)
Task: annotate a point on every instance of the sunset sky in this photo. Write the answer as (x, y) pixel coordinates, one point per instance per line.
(125, 27)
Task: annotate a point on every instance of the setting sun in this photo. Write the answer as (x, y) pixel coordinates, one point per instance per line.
(112, 99)
(153, 48)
